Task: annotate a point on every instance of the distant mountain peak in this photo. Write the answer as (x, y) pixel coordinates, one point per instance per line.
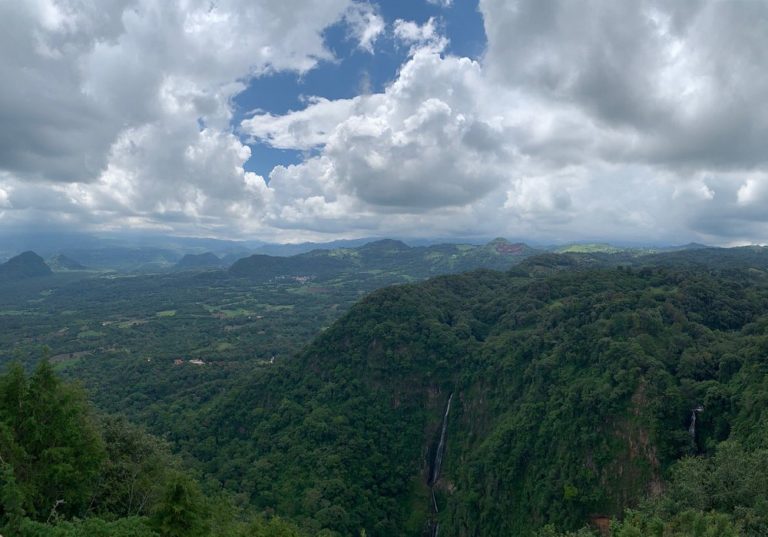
(387, 256)
(62, 262)
(502, 246)
(199, 261)
(386, 244)
(25, 265)
(693, 246)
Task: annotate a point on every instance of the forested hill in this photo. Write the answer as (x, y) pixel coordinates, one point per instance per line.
(385, 256)
(573, 394)
(23, 266)
(199, 261)
(580, 384)
(61, 262)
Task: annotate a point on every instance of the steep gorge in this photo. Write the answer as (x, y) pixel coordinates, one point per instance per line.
(563, 396)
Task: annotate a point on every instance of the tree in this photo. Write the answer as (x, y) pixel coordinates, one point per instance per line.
(181, 511)
(49, 440)
(64, 448)
(11, 499)
(132, 476)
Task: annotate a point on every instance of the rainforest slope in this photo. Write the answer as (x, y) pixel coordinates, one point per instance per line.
(573, 396)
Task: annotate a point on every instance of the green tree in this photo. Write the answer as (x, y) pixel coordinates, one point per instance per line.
(64, 449)
(11, 500)
(181, 511)
(48, 438)
(132, 476)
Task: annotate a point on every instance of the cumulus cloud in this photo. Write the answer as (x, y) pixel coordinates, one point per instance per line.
(420, 35)
(683, 79)
(302, 129)
(365, 24)
(671, 88)
(577, 123)
(198, 177)
(4, 199)
(634, 120)
(127, 103)
(419, 146)
(754, 190)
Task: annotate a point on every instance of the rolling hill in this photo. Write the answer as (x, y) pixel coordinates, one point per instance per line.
(388, 256)
(207, 260)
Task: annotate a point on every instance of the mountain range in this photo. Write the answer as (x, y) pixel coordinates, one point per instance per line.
(388, 256)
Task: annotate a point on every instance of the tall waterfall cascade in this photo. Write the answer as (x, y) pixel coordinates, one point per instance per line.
(437, 463)
(692, 427)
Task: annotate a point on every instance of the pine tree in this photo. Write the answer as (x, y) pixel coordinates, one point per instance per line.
(49, 439)
(65, 447)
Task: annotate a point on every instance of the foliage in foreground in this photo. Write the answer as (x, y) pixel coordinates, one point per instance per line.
(724, 495)
(65, 472)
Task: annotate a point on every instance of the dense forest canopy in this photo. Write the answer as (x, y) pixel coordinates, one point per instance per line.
(573, 396)
(585, 390)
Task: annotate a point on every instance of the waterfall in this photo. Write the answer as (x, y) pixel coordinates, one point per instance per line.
(434, 473)
(692, 427)
(438, 462)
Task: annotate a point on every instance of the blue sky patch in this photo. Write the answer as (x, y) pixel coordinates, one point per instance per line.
(354, 70)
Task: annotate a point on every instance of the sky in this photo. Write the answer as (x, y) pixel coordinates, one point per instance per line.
(639, 121)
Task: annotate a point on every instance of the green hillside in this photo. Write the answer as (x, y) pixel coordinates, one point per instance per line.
(61, 262)
(23, 266)
(203, 261)
(572, 396)
(573, 380)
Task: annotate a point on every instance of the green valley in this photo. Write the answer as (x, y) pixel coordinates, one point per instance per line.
(570, 391)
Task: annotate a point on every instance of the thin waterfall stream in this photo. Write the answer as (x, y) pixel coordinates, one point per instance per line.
(437, 462)
(692, 427)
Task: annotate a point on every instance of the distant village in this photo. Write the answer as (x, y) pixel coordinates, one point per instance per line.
(197, 361)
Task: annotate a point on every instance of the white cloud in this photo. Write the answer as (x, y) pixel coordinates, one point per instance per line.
(641, 121)
(420, 35)
(108, 97)
(421, 145)
(365, 24)
(303, 129)
(754, 190)
(683, 79)
(551, 136)
(5, 201)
